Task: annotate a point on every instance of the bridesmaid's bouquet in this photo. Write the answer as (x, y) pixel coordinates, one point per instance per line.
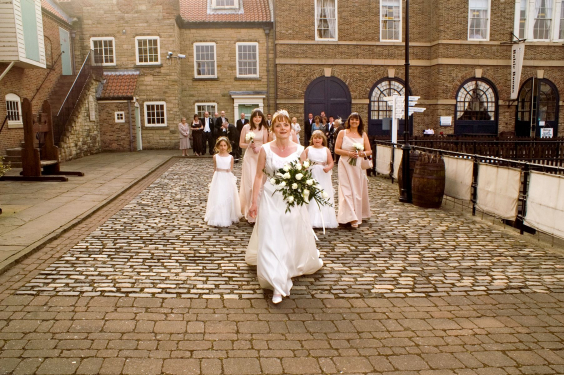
(250, 137)
(298, 186)
(358, 147)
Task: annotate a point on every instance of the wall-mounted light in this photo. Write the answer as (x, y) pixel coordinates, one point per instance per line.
(123, 31)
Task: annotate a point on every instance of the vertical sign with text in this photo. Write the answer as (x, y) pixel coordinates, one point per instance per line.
(517, 55)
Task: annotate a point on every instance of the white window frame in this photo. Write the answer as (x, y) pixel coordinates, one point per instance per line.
(206, 104)
(488, 19)
(214, 57)
(336, 38)
(117, 114)
(400, 24)
(113, 48)
(530, 23)
(257, 60)
(139, 38)
(155, 125)
(234, 6)
(17, 123)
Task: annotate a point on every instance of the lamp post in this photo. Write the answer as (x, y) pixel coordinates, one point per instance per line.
(405, 195)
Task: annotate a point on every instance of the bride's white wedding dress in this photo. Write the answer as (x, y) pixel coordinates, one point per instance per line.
(282, 245)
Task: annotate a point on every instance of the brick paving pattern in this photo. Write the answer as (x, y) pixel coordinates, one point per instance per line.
(461, 297)
(159, 246)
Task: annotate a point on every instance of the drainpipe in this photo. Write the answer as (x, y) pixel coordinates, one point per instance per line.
(274, 46)
(7, 70)
(267, 33)
(130, 126)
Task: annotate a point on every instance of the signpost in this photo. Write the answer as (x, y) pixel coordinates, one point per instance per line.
(398, 111)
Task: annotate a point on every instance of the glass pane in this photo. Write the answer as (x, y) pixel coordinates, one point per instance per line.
(476, 102)
(543, 19)
(379, 108)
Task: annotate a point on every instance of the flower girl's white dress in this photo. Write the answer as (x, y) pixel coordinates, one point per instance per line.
(282, 245)
(223, 208)
(319, 156)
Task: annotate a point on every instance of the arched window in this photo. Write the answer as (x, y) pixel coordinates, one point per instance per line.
(537, 108)
(14, 110)
(379, 112)
(476, 107)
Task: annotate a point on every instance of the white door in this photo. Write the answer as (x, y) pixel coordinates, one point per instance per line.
(66, 50)
(138, 128)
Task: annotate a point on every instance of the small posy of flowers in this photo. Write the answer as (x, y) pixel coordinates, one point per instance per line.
(297, 185)
(250, 137)
(358, 147)
(3, 167)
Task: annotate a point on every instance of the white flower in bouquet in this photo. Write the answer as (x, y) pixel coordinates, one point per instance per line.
(325, 195)
(357, 147)
(250, 137)
(297, 185)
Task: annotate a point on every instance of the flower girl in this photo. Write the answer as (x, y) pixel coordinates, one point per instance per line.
(223, 208)
(321, 170)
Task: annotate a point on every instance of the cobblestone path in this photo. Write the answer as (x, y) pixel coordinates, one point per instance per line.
(412, 292)
(159, 246)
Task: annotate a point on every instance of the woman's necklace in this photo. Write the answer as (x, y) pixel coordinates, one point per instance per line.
(280, 147)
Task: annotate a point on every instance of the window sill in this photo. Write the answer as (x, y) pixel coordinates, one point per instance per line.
(149, 65)
(15, 125)
(248, 79)
(163, 127)
(205, 79)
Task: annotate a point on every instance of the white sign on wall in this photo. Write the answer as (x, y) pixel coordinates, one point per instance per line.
(517, 55)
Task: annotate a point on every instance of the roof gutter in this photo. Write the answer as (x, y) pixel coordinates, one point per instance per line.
(183, 24)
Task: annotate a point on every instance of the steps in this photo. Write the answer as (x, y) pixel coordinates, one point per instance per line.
(14, 157)
(59, 92)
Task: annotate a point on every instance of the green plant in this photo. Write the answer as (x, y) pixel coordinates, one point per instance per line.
(3, 167)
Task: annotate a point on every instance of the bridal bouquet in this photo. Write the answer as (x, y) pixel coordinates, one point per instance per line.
(358, 147)
(298, 186)
(250, 137)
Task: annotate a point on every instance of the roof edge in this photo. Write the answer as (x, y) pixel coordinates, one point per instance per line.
(183, 24)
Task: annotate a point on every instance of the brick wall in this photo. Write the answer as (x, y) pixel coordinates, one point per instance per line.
(82, 135)
(116, 136)
(441, 56)
(26, 82)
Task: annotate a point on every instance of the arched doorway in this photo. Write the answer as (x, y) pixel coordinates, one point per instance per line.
(379, 112)
(476, 110)
(537, 108)
(328, 94)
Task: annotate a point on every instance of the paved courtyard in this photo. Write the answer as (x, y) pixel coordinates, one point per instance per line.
(144, 286)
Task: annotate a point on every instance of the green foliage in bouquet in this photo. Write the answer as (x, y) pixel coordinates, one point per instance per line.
(298, 186)
(3, 167)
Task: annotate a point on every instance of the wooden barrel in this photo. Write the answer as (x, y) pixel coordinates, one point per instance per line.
(413, 156)
(428, 184)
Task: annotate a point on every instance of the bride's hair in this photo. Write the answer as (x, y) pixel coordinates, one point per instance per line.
(279, 115)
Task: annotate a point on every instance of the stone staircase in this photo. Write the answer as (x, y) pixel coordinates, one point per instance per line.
(56, 99)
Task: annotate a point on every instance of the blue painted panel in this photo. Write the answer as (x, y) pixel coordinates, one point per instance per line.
(29, 23)
(65, 48)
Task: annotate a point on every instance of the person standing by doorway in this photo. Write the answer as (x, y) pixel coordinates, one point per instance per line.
(308, 123)
(208, 135)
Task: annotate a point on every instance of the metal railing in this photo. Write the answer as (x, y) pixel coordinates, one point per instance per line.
(526, 168)
(4, 122)
(63, 114)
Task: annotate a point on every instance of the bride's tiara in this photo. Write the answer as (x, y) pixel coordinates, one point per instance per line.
(280, 112)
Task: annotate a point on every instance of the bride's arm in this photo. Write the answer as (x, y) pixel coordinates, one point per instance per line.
(303, 156)
(257, 183)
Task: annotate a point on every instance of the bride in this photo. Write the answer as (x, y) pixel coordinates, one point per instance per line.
(282, 245)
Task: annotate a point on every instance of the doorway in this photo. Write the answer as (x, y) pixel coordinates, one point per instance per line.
(328, 94)
(537, 109)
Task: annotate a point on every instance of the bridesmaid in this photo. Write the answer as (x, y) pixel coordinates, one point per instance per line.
(353, 183)
(258, 126)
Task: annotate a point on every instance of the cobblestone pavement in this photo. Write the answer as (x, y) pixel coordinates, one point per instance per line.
(159, 246)
(413, 291)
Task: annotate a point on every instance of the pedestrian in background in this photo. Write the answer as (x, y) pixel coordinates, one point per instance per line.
(197, 129)
(296, 128)
(184, 136)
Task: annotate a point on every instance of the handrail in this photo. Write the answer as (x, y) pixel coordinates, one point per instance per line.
(74, 82)
(4, 123)
(72, 98)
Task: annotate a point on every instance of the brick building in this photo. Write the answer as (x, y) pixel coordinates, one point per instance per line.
(341, 56)
(33, 75)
